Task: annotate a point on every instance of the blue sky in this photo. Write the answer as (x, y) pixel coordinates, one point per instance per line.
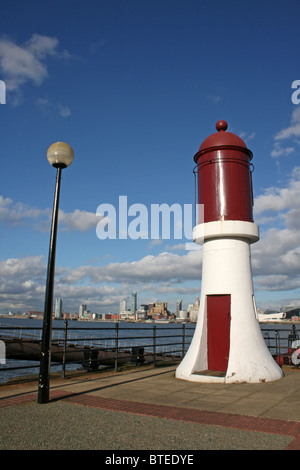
(135, 87)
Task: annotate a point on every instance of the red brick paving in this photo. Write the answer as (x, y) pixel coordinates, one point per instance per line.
(246, 423)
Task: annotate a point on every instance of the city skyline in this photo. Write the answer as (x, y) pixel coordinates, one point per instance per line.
(135, 87)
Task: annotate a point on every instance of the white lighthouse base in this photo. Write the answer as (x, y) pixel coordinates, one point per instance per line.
(227, 278)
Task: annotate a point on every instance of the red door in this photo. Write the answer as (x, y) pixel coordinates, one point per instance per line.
(218, 331)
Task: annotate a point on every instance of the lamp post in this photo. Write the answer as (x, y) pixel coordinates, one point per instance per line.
(60, 155)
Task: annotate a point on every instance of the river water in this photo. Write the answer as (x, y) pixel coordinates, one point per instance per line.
(83, 333)
(88, 333)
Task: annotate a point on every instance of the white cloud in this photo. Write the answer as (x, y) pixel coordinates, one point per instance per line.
(78, 220)
(246, 135)
(214, 98)
(49, 108)
(64, 111)
(161, 268)
(95, 46)
(22, 287)
(17, 213)
(154, 243)
(22, 268)
(293, 130)
(41, 46)
(275, 260)
(277, 199)
(277, 282)
(276, 257)
(177, 247)
(279, 151)
(276, 252)
(20, 64)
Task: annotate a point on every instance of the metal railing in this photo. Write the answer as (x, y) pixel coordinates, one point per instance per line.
(105, 346)
(94, 347)
(281, 343)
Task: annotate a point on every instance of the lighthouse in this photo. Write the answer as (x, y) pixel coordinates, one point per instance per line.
(227, 346)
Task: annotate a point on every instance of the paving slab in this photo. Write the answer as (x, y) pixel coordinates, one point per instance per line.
(148, 408)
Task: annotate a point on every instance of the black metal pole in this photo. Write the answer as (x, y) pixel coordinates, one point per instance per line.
(43, 391)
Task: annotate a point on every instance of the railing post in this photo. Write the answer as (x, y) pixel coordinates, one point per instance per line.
(292, 336)
(65, 349)
(277, 346)
(154, 345)
(117, 347)
(183, 339)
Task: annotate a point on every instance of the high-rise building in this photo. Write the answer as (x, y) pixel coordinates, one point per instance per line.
(178, 307)
(82, 310)
(123, 305)
(194, 310)
(58, 308)
(133, 302)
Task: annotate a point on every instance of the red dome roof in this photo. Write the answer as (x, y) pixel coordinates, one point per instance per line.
(222, 138)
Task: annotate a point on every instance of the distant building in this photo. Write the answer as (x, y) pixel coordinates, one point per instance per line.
(69, 316)
(128, 315)
(194, 310)
(271, 317)
(125, 314)
(141, 315)
(97, 316)
(112, 316)
(178, 307)
(158, 309)
(142, 312)
(182, 316)
(35, 314)
(144, 308)
(133, 302)
(292, 312)
(58, 309)
(123, 305)
(82, 310)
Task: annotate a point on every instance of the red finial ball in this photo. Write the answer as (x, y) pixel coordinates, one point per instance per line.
(221, 126)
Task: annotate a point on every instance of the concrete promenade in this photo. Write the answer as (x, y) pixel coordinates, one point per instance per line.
(147, 408)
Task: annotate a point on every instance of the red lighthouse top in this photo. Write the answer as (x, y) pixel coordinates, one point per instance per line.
(222, 139)
(224, 176)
